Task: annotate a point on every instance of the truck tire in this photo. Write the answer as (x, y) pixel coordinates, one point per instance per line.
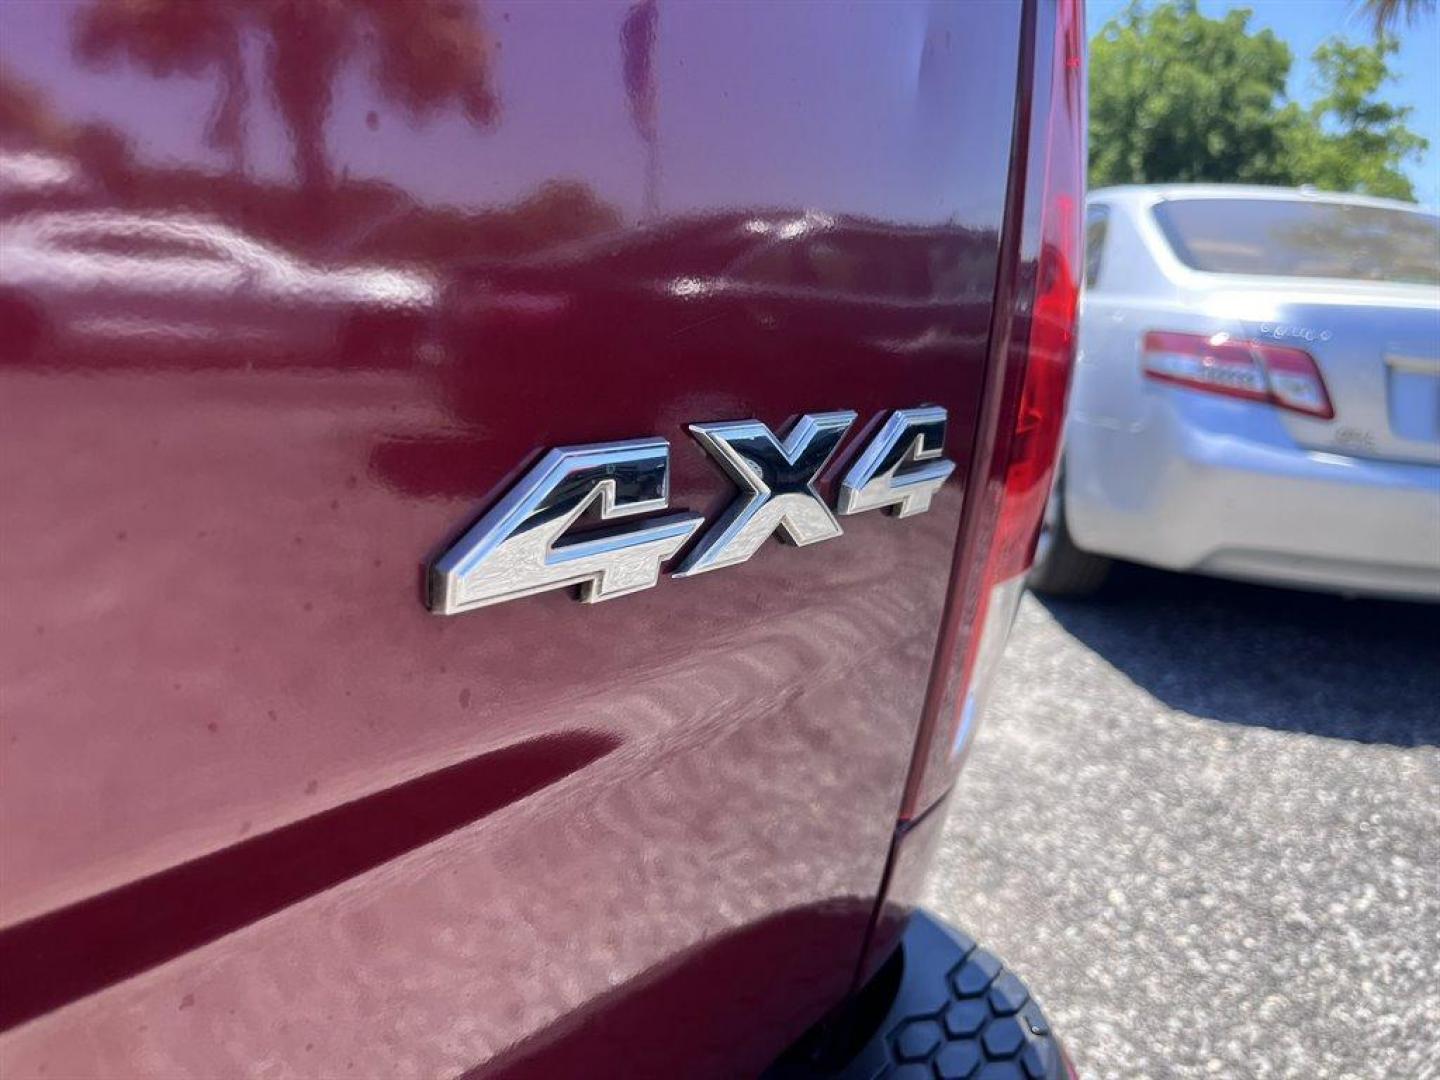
(954, 1013)
(988, 1028)
(1061, 568)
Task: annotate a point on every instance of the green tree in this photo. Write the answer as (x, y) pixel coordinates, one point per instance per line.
(1353, 141)
(1177, 97)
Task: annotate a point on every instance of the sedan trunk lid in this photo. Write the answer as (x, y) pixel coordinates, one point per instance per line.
(1377, 347)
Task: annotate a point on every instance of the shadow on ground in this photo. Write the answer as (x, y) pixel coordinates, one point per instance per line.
(1367, 670)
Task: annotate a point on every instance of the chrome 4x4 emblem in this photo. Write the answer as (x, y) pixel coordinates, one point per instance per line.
(522, 545)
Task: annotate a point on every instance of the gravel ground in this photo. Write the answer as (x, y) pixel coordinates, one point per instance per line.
(1202, 821)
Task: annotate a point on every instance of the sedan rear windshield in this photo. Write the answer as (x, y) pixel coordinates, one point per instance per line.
(1303, 238)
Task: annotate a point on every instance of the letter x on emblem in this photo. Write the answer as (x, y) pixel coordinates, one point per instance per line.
(777, 482)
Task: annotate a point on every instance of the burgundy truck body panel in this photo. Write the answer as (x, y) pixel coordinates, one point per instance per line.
(266, 815)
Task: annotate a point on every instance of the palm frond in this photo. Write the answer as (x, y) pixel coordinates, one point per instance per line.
(1388, 14)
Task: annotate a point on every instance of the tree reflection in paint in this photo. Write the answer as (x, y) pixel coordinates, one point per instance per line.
(426, 55)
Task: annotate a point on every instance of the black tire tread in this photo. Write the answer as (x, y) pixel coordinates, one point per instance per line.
(997, 1030)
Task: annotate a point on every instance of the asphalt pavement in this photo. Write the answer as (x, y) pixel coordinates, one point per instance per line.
(1202, 821)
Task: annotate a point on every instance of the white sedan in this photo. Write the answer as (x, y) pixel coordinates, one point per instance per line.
(1257, 393)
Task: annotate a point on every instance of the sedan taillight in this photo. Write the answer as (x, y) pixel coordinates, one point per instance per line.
(1252, 370)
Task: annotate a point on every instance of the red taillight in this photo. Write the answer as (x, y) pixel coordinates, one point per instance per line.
(1252, 370)
(1049, 357)
(1031, 450)
(1010, 492)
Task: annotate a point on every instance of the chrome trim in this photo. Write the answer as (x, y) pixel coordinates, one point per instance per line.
(777, 482)
(1417, 365)
(902, 468)
(520, 546)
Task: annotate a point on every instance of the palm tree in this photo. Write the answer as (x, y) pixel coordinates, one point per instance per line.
(169, 36)
(1388, 13)
(427, 54)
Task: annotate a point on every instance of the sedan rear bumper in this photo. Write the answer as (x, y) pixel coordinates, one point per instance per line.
(1227, 492)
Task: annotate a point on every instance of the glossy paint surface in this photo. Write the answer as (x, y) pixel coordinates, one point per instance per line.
(289, 294)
